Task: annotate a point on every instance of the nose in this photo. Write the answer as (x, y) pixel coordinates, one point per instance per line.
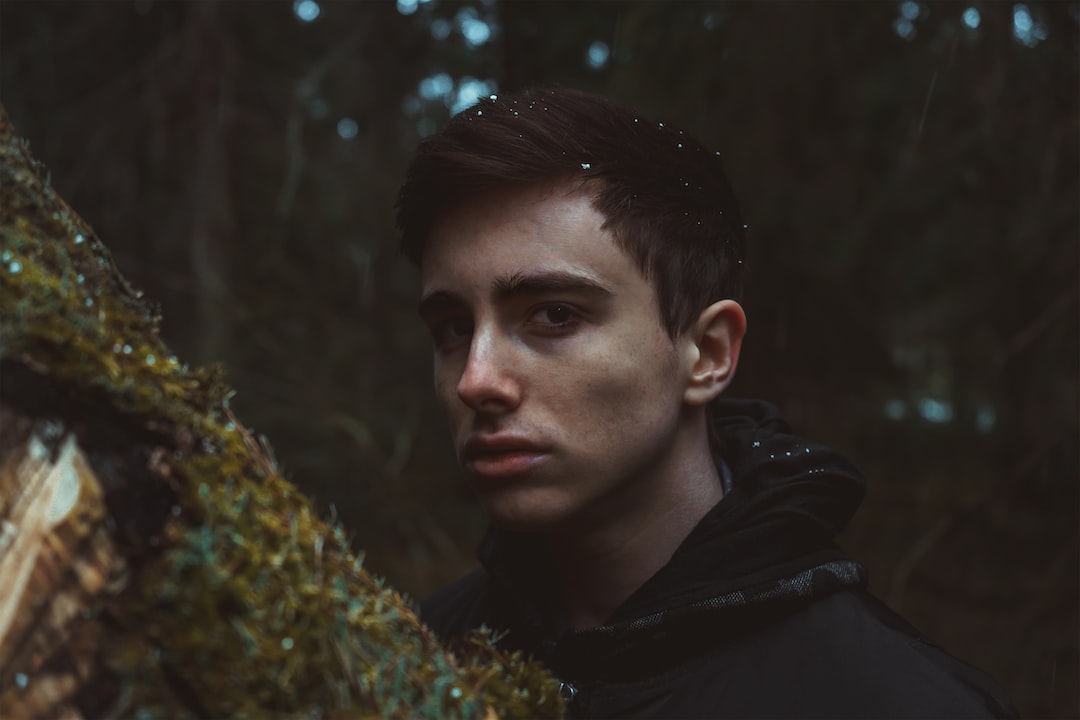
(489, 383)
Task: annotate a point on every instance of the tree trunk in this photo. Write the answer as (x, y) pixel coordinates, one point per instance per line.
(153, 561)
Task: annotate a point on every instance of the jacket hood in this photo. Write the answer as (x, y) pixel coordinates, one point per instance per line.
(785, 501)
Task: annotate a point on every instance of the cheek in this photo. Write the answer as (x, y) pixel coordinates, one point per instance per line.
(445, 383)
(630, 393)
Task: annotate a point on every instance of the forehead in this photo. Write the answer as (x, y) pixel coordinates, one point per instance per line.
(537, 229)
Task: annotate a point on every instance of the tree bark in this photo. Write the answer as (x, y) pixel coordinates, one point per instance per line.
(153, 561)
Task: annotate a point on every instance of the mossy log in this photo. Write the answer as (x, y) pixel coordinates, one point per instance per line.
(153, 560)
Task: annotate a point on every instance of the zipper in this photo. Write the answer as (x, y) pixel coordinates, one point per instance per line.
(574, 700)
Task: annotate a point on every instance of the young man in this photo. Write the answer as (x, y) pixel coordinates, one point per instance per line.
(667, 554)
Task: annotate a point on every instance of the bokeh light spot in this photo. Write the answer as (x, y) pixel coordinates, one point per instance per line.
(935, 411)
(440, 28)
(895, 409)
(598, 54)
(347, 128)
(474, 29)
(469, 91)
(1026, 29)
(904, 28)
(306, 10)
(436, 86)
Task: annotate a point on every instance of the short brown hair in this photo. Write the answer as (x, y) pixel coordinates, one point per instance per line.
(663, 195)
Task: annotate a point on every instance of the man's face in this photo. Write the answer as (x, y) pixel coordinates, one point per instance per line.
(563, 390)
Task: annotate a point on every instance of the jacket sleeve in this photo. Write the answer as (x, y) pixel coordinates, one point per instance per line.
(457, 608)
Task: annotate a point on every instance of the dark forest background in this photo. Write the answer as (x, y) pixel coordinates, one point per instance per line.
(909, 172)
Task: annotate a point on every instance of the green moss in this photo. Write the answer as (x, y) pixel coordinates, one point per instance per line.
(251, 605)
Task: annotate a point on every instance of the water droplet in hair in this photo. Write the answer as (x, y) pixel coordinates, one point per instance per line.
(493, 97)
(479, 113)
(756, 443)
(79, 278)
(21, 680)
(79, 239)
(127, 349)
(150, 359)
(678, 145)
(5, 256)
(586, 166)
(15, 266)
(660, 124)
(89, 302)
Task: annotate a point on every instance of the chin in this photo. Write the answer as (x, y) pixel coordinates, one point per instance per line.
(522, 522)
(513, 512)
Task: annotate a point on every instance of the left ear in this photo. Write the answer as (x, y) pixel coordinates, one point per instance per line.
(716, 338)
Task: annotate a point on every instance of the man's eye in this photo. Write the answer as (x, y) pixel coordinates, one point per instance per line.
(450, 331)
(554, 316)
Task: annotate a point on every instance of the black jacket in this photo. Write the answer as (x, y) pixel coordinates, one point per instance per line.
(757, 614)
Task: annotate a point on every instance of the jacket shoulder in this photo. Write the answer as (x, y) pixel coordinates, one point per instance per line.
(458, 607)
(844, 655)
(946, 682)
(856, 657)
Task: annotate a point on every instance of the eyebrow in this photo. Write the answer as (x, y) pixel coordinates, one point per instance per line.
(545, 281)
(521, 284)
(438, 301)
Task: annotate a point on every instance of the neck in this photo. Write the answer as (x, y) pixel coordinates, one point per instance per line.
(606, 559)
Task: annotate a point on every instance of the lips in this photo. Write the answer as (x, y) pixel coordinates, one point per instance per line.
(498, 456)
